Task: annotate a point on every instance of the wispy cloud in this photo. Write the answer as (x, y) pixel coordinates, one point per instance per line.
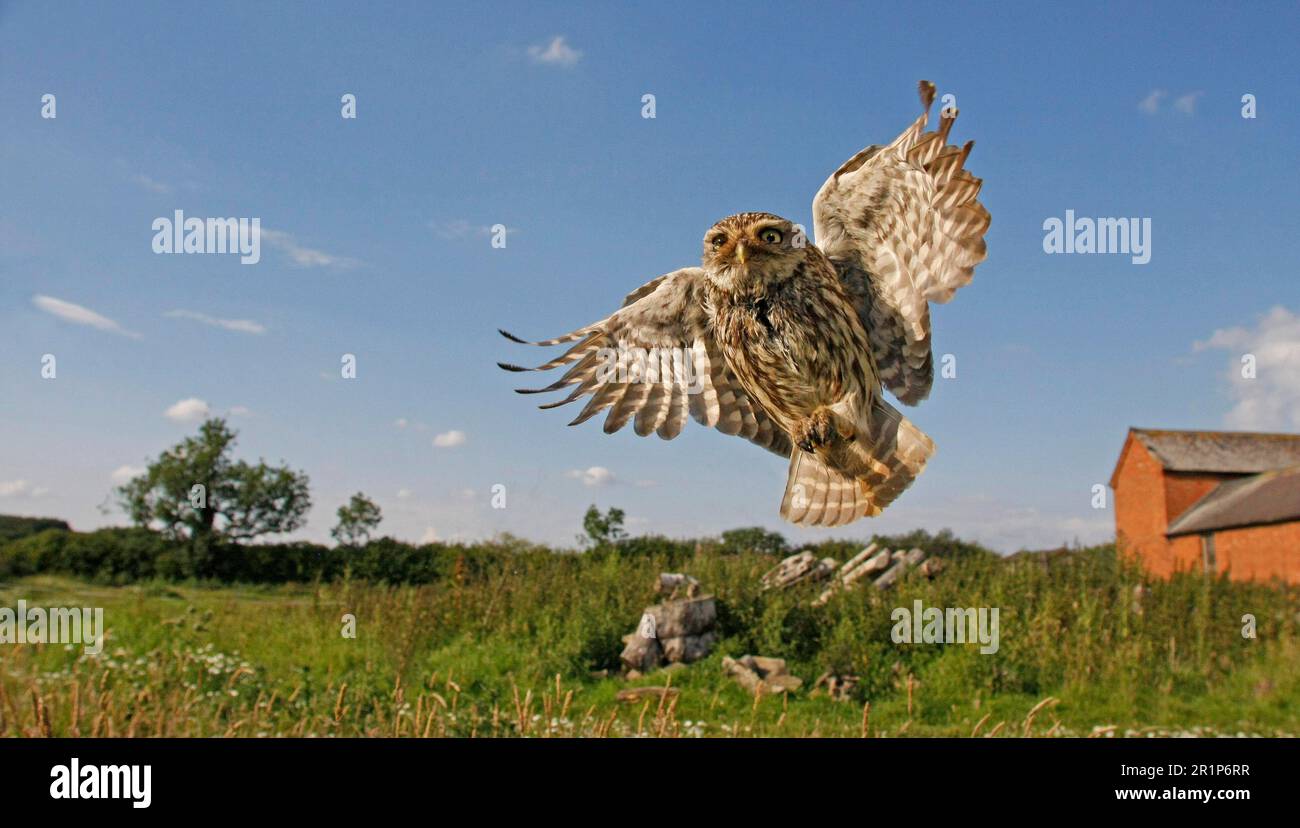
(304, 256)
(239, 325)
(151, 184)
(555, 53)
(1151, 103)
(124, 474)
(187, 410)
(21, 488)
(1186, 104)
(450, 439)
(1270, 399)
(593, 476)
(79, 315)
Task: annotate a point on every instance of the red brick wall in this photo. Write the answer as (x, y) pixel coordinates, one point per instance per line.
(1260, 552)
(1140, 511)
(1182, 489)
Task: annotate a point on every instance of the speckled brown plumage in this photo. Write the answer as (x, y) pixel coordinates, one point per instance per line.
(789, 344)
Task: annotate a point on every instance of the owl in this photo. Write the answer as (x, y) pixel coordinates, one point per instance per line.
(791, 344)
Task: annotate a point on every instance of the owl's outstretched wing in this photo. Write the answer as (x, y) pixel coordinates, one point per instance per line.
(903, 227)
(653, 362)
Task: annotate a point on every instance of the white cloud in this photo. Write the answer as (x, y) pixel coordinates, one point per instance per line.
(238, 325)
(449, 439)
(21, 488)
(429, 536)
(593, 476)
(555, 53)
(404, 494)
(152, 185)
(1271, 399)
(401, 422)
(187, 410)
(240, 411)
(1186, 104)
(1151, 103)
(304, 256)
(79, 315)
(124, 474)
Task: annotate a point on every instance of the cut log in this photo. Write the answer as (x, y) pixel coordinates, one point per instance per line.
(908, 560)
(636, 694)
(799, 568)
(858, 559)
(676, 584)
(749, 673)
(641, 654)
(691, 616)
(688, 648)
(766, 666)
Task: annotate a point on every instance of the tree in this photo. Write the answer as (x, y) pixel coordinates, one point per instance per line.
(357, 519)
(603, 530)
(195, 491)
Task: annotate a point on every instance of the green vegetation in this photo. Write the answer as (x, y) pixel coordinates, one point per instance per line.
(508, 638)
(209, 634)
(13, 527)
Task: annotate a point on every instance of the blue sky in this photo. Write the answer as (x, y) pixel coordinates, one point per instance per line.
(471, 116)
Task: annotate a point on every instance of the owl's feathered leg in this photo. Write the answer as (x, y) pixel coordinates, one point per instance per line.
(822, 429)
(843, 480)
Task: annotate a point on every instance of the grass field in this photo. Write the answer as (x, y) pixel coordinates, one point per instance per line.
(517, 649)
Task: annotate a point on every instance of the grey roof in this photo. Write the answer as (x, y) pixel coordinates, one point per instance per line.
(1221, 452)
(1271, 497)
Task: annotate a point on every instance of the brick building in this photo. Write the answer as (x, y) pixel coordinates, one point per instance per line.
(1210, 501)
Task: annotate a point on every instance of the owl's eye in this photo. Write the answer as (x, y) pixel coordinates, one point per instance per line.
(771, 236)
(718, 241)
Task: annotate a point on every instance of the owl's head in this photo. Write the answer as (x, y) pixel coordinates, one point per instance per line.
(749, 249)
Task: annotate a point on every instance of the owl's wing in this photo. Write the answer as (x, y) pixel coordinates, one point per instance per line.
(903, 227)
(652, 362)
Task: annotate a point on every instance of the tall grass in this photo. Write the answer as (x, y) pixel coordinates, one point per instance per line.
(514, 643)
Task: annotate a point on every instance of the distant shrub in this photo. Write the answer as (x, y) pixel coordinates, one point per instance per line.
(754, 539)
(13, 527)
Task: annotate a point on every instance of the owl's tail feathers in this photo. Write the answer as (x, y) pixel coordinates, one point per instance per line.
(859, 478)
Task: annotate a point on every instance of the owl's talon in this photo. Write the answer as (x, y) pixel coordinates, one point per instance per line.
(819, 429)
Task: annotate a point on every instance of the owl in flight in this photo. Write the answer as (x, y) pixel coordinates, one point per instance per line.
(790, 344)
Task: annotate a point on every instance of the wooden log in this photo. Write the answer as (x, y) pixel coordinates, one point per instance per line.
(748, 673)
(789, 570)
(690, 616)
(908, 560)
(636, 694)
(641, 654)
(766, 666)
(674, 584)
(858, 558)
(688, 648)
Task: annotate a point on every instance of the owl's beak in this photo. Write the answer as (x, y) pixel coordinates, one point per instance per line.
(740, 252)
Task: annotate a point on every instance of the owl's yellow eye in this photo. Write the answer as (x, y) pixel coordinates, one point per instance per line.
(770, 236)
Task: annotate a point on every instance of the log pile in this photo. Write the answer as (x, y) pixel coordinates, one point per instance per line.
(798, 569)
(881, 566)
(759, 674)
(675, 631)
